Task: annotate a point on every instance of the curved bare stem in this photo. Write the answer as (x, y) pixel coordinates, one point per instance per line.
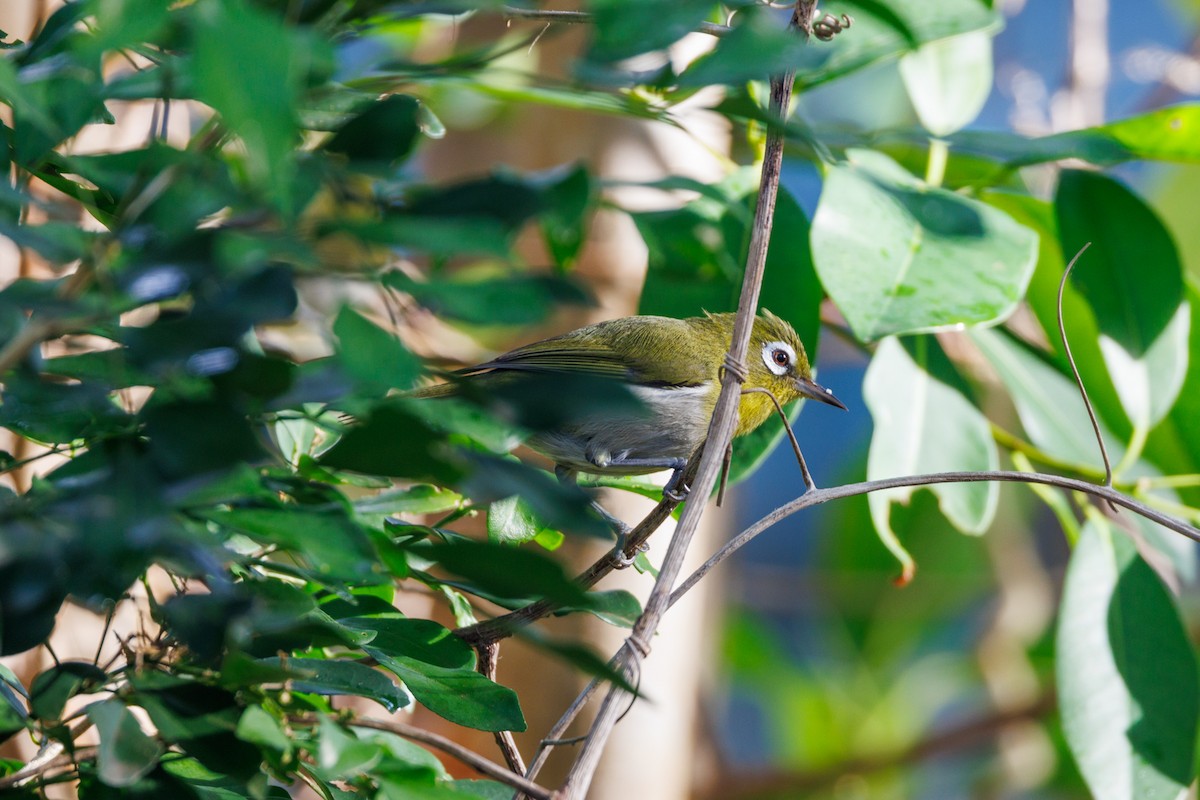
(819, 496)
(1087, 403)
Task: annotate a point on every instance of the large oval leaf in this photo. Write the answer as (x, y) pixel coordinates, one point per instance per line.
(899, 257)
(949, 80)
(1133, 280)
(1127, 679)
(923, 423)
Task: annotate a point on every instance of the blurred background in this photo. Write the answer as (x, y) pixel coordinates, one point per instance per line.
(942, 688)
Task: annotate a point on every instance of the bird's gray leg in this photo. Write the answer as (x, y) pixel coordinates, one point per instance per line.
(675, 489)
(568, 476)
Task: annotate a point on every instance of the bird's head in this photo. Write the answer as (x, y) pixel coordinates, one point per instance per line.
(777, 362)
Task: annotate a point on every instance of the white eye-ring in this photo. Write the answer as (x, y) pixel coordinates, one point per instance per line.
(778, 356)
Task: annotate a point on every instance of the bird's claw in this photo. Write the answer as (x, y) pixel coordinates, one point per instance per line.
(675, 489)
(623, 561)
(677, 495)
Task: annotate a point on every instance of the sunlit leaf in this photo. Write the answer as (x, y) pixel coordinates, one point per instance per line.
(126, 753)
(949, 80)
(923, 424)
(899, 257)
(1142, 320)
(1126, 673)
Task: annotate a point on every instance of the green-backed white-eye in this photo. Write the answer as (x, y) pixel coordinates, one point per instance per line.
(672, 366)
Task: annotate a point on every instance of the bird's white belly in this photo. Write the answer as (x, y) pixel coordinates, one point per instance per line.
(672, 425)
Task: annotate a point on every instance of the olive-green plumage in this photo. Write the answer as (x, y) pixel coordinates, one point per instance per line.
(672, 366)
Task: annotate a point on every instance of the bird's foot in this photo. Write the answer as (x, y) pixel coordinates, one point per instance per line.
(620, 559)
(675, 489)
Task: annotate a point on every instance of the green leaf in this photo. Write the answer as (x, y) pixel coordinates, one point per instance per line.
(1126, 673)
(506, 571)
(403, 756)
(899, 257)
(582, 657)
(924, 423)
(126, 753)
(50, 690)
(485, 790)
(885, 31)
(385, 132)
(616, 607)
(1042, 297)
(564, 224)
(1142, 317)
(270, 60)
(421, 498)
(949, 80)
(563, 507)
(511, 521)
(756, 48)
(462, 696)
(259, 727)
(333, 544)
(1048, 403)
(697, 255)
(1164, 134)
(393, 442)
(341, 754)
(188, 439)
(371, 355)
(510, 300)
(338, 677)
(59, 413)
(419, 639)
(626, 28)
(58, 242)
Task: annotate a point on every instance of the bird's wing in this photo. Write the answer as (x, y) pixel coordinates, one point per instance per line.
(659, 354)
(558, 355)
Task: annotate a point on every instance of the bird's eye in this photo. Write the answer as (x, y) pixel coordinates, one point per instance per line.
(778, 357)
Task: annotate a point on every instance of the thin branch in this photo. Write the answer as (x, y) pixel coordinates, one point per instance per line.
(463, 754)
(506, 625)
(489, 654)
(33, 334)
(1087, 403)
(51, 756)
(584, 18)
(787, 427)
(820, 496)
(554, 736)
(720, 430)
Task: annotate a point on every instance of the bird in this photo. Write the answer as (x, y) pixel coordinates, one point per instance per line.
(672, 366)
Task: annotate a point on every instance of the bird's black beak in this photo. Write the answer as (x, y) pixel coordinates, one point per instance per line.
(810, 388)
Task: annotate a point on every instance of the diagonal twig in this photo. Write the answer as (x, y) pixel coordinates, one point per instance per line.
(720, 430)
